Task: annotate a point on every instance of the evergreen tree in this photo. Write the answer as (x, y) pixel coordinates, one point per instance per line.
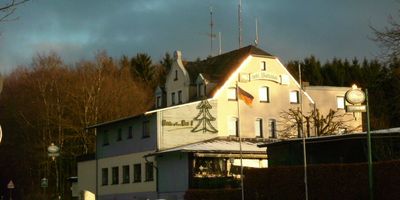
(204, 118)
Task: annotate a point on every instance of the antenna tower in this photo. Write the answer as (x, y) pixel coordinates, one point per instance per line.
(220, 46)
(240, 22)
(256, 40)
(212, 35)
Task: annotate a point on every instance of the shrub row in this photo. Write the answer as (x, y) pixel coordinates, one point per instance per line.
(334, 181)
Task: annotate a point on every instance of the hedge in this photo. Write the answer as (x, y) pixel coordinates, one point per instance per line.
(328, 182)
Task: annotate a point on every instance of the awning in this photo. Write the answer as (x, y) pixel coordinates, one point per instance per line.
(219, 147)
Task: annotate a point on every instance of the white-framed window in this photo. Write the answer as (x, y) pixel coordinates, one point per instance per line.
(285, 80)
(232, 96)
(258, 127)
(263, 66)
(340, 102)
(173, 98)
(264, 94)
(342, 131)
(233, 126)
(294, 96)
(272, 128)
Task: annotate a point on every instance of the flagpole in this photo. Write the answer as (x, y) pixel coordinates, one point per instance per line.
(240, 141)
(303, 135)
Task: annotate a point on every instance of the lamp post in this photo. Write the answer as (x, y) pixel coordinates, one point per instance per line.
(53, 151)
(356, 97)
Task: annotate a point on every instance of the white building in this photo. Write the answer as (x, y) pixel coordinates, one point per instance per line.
(191, 138)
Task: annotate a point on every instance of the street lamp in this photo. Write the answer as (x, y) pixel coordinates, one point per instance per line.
(53, 151)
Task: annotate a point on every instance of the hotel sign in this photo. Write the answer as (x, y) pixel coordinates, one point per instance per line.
(356, 97)
(181, 123)
(188, 124)
(265, 76)
(356, 108)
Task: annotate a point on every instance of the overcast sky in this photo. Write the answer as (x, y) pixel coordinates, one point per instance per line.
(289, 29)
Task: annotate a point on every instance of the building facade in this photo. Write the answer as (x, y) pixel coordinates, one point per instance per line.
(207, 121)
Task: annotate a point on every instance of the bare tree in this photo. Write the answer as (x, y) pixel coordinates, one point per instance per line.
(331, 124)
(389, 38)
(8, 7)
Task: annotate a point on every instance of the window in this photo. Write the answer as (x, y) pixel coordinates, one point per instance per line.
(233, 126)
(264, 94)
(119, 134)
(176, 75)
(104, 176)
(232, 94)
(180, 96)
(340, 102)
(294, 96)
(105, 138)
(115, 176)
(258, 126)
(137, 173)
(125, 174)
(263, 66)
(149, 171)
(158, 101)
(272, 128)
(342, 131)
(146, 129)
(200, 91)
(130, 132)
(173, 98)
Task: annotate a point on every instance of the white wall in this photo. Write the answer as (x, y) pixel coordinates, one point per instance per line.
(87, 176)
(131, 187)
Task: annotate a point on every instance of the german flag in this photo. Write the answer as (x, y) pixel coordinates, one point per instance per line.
(245, 96)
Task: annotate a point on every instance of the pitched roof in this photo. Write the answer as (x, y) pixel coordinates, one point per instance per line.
(218, 69)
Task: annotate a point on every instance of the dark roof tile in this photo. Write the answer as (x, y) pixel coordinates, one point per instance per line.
(219, 68)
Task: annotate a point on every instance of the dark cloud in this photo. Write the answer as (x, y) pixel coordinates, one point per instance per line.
(290, 29)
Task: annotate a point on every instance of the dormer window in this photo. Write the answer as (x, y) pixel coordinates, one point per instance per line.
(176, 75)
(180, 96)
(158, 101)
(263, 66)
(200, 91)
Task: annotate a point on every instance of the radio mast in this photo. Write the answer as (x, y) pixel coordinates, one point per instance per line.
(211, 30)
(256, 40)
(240, 23)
